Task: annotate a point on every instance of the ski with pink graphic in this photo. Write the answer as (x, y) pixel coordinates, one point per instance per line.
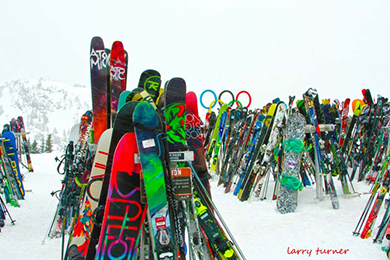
(124, 213)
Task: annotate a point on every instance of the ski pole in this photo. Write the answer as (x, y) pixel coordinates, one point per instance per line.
(6, 211)
(216, 211)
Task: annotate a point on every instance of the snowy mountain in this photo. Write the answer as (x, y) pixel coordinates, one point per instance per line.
(48, 107)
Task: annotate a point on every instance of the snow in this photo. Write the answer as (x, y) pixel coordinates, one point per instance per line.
(260, 231)
(24, 239)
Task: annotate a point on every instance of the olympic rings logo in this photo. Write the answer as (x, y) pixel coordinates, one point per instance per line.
(218, 100)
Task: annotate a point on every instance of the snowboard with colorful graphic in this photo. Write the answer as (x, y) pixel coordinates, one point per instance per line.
(122, 126)
(124, 214)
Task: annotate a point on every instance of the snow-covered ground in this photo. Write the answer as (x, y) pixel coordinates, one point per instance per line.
(261, 232)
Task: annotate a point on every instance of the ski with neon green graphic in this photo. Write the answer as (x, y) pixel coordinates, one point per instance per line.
(220, 148)
(289, 179)
(175, 114)
(149, 135)
(142, 95)
(175, 119)
(215, 142)
(220, 245)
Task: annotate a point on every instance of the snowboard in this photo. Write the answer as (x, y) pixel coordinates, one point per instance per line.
(122, 126)
(288, 194)
(124, 213)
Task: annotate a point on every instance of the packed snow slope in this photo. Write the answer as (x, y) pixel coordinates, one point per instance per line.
(261, 232)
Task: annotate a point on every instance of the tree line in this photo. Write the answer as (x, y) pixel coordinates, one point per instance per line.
(41, 147)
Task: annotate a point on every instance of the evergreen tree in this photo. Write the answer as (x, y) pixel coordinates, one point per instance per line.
(34, 147)
(49, 145)
(42, 148)
(29, 144)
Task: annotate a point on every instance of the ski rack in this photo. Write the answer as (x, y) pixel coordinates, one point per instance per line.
(20, 134)
(20, 148)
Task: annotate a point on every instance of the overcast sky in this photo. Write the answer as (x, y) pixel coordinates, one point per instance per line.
(270, 48)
